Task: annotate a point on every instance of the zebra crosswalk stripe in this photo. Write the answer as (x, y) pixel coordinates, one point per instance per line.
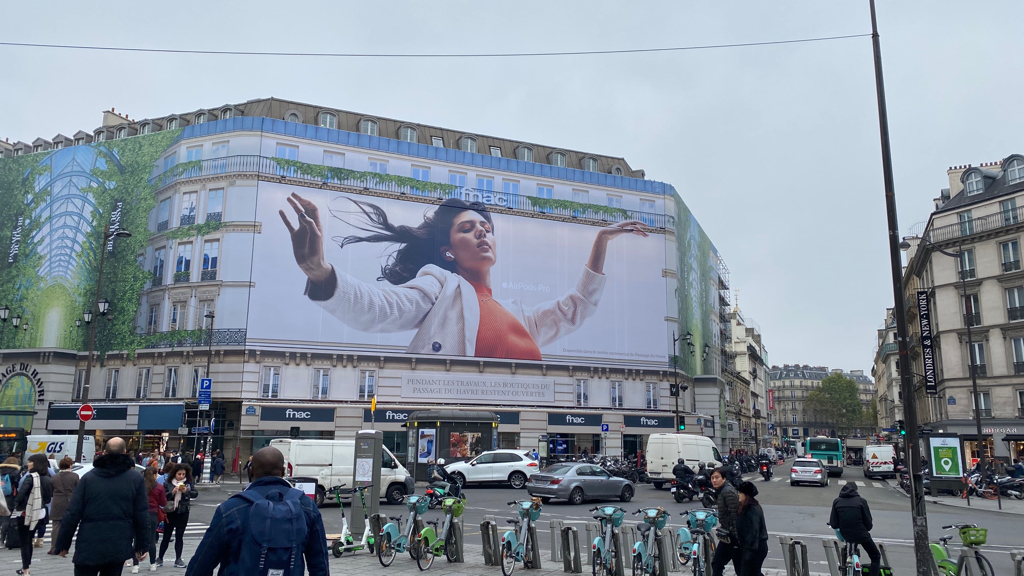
(880, 485)
(776, 479)
(841, 482)
(859, 483)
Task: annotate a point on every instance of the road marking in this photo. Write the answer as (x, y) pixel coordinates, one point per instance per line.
(859, 483)
(841, 482)
(776, 479)
(880, 485)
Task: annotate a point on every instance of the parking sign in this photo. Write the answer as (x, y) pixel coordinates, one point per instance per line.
(205, 393)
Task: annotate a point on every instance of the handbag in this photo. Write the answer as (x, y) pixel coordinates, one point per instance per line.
(160, 515)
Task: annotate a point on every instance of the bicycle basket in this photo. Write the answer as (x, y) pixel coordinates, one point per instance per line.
(529, 508)
(417, 503)
(974, 536)
(456, 505)
(616, 514)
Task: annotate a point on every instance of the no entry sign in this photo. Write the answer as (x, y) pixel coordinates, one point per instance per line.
(85, 412)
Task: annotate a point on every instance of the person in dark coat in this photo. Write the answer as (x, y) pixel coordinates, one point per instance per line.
(180, 490)
(728, 549)
(63, 487)
(753, 533)
(111, 506)
(11, 469)
(852, 517)
(34, 494)
(217, 467)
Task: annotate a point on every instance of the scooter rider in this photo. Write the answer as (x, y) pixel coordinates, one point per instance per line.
(442, 479)
(681, 471)
(764, 461)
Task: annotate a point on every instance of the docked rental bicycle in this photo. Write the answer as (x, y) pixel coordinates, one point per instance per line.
(605, 551)
(695, 541)
(392, 541)
(519, 547)
(849, 562)
(433, 544)
(972, 537)
(645, 551)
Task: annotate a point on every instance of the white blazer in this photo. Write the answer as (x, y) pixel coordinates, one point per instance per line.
(444, 309)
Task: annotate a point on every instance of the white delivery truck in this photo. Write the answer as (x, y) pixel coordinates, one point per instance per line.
(60, 446)
(329, 462)
(664, 450)
(879, 460)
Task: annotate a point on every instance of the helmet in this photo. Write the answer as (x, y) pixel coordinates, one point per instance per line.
(680, 461)
(701, 465)
(440, 461)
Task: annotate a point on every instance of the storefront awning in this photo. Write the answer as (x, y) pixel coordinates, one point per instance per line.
(1013, 438)
(453, 416)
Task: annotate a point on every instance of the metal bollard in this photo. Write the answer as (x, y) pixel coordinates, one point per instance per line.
(490, 538)
(624, 550)
(665, 551)
(593, 531)
(535, 560)
(1017, 557)
(832, 554)
(556, 540)
(378, 521)
(571, 550)
(458, 531)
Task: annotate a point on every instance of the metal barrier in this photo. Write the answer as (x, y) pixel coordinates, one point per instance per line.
(832, 554)
(624, 549)
(556, 540)
(490, 538)
(570, 550)
(593, 531)
(458, 531)
(794, 555)
(535, 561)
(666, 551)
(377, 521)
(1017, 557)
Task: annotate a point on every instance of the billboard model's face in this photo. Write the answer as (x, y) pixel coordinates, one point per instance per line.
(471, 245)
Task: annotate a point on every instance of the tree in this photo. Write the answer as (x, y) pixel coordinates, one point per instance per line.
(871, 414)
(836, 401)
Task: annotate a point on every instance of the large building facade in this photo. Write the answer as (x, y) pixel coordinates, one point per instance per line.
(213, 282)
(886, 374)
(977, 220)
(790, 385)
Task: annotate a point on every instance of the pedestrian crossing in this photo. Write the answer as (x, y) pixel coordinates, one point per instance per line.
(192, 530)
(863, 484)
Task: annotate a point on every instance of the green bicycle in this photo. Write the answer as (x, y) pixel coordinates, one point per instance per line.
(973, 538)
(432, 544)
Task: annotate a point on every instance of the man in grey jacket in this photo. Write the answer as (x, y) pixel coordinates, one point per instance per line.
(728, 549)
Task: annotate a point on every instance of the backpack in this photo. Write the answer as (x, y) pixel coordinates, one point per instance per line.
(277, 533)
(6, 480)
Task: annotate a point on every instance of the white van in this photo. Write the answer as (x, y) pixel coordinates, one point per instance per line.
(329, 462)
(879, 460)
(664, 450)
(60, 446)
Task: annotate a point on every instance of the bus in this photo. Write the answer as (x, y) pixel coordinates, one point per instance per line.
(828, 450)
(12, 441)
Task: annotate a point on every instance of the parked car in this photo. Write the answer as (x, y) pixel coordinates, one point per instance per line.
(512, 466)
(806, 470)
(577, 482)
(83, 469)
(664, 450)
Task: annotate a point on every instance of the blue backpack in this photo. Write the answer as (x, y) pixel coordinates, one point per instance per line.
(277, 533)
(6, 480)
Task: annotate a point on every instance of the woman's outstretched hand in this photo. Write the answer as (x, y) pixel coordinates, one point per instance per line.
(307, 239)
(600, 249)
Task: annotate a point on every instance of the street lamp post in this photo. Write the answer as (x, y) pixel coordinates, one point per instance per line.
(4, 313)
(208, 460)
(675, 374)
(103, 306)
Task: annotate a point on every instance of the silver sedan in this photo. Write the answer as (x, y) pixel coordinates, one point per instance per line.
(805, 470)
(577, 482)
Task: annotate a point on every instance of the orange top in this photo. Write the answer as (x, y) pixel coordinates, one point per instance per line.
(500, 334)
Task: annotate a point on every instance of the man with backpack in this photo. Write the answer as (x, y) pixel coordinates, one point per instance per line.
(269, 515)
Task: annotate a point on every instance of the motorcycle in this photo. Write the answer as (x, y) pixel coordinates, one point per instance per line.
(766, 471)
(437, 492)
(682, 489)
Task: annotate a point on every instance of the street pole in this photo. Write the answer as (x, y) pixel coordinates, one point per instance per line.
(208, 460)
(675, 376)
(92, 343)
(925, 562)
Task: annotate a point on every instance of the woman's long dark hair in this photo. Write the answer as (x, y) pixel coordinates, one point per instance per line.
(420, 245)
(750, 501)
(38, 463)
(150, 477)
(188, 473)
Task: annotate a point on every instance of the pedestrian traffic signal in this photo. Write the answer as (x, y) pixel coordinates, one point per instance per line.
(900, 425)
(673, 389)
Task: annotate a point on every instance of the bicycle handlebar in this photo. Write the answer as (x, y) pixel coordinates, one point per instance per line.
(959, 526)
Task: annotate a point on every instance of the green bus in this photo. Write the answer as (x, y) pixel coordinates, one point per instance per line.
(828, 450)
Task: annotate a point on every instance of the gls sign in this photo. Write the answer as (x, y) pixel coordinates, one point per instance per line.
(299, 414)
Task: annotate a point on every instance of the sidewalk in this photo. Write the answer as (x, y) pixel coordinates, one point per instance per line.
(1010, 505)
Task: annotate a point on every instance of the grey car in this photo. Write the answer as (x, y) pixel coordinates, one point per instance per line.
(807, 470)
(577, 482)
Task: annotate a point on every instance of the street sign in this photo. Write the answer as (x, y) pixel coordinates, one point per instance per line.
(85, 412)
(200, 429)
(205, 393)
(183, 430)
(604, 427)
(888, 429)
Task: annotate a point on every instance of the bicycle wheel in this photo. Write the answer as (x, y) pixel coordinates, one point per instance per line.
(426, 558)
(984, 566)
(598, 567)
(655, 561)
(528, 552)
(990, 492)
(508, 559)
(414, 549)
(386, 552)
(449, 546)
(638, 565)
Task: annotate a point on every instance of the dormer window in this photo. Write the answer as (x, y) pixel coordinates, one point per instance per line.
(524, 153)
(617, 171)
(589, 164)
(973, 184)
(145, 129)
(1015, 171)
(100, 136)
(467, 144)
(200, 118)
(407, 134)
(79, 141)
(558, 159)
(368, 127)
(328, 120)
(293, 117)
(227, 113)
(172, 123)
(58, 144)
(120, 133)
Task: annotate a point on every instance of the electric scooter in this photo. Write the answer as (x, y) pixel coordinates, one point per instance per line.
(345, 543)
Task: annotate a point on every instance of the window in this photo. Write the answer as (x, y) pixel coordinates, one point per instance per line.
(328, 120)
(211, 251)
(293, 117)
(177, 317)
(79, 384)
(616, 394)
(793, 407)
(544, 191)
(378, 166)
(100, 136)
(965, 264)
(153, 320)
(271, 387)
(367, 384)
(589, 164)
(219, 149)
(58, 144)
(511, 187)
(1015, 303)
(184, 262)
(581, 196)
(1015, 171)
(1020, 403)
(145, 129)
(794, 418)
(321, 383)
(193, 153)
(171, 382)
(1009, 210)
(582, 393)
(558, 159)
(485, 183)
(200, 118)
(169, 162)
(79, 141)
(188, 209)
(617, 171)
(158, 266)
(495, 151)
(421, 173)
(215, 205)
(457, 179)
(524, 153)
(1011, 255)
(142, 383)
(974, 184)
(437, 141)
(334, 159)
(288, 152)
(407, 134)
(197, 375)
(986, 404)
(647, 213)
(172, 123)
(652, 394)
(120, 133)
(978, 359)
(614, 201)
(368, 127)
(37, 148)
(966, 223)
(227, 113)
(467, 144)
(205, 307)
(792, 393)
(1018, 357)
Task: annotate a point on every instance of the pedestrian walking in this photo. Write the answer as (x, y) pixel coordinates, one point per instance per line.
(753, 533)
(180, 490)
(108, 509)
(217, 469)
(157, 500)
(852, 517)
(728, 549)
(10, 476)
(248, 468)
(64, 484)
(34, 495)
(243, 541)
(160, 458)
(197, 465)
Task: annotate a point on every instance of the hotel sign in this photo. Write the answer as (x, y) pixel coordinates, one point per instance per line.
(927, 350)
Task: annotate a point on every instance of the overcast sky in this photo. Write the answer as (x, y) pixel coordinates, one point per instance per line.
(775, 149)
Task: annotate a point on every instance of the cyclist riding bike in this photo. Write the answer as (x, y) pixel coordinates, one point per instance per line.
(852, 517)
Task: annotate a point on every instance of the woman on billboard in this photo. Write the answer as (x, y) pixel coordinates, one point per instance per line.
(441, 283)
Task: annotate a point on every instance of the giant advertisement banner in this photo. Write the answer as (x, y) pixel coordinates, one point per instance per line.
(335, 269)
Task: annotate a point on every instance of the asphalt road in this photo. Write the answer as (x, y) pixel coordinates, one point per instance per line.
(801, 512)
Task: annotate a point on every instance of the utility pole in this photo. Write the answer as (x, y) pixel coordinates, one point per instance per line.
(922, 553)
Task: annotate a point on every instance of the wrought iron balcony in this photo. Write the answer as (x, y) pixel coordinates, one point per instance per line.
(1018, 367)
(972, 319)
(158, 280)
(975, 226)
(182, 277)
(984, 412)
(187, 220)
(179, 338)
(208, 275)
(214, 216)
(968, 274)
(1015, 314)
(980, 370)
(161, 226)
(1011, 266)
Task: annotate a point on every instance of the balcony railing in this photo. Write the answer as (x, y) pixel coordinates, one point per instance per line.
(984, 412)
(161, 226)
(181, 276)
(214, 216)
(887, 348)
(1015, 314)
(968, 274)
(208, 275)
(1018, 367)
(158, 280)
(181, 338)
(1011, 266)
(516, 202)
(980, 370)
(975, 226)
(187, 220)
(1020, 412)
(972, 319)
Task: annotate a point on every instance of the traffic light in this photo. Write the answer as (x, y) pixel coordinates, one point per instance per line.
(682, 423)
(900, 425)
(673, 389)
